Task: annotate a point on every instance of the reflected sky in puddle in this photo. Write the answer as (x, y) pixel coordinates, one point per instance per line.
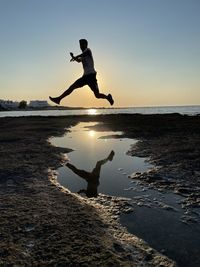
(98, 163)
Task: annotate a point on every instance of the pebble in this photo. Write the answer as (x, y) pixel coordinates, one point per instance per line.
(128, 210)
(128, 189)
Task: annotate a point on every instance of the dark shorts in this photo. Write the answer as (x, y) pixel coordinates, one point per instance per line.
(90, 80)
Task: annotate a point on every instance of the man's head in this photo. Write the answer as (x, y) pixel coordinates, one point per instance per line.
(83, 44)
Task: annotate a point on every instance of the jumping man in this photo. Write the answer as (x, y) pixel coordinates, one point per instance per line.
(89, 75)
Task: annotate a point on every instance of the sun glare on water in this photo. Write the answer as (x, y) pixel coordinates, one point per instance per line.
(92, 133)
(92, 111)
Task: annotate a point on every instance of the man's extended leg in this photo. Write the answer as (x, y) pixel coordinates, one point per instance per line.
(77, 84)
(81, 173)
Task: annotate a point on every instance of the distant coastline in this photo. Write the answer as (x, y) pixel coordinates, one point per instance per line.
(73, 111)
(40, 108)
(58, 108)
(86, 108)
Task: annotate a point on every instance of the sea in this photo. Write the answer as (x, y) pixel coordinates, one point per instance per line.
(184, 110)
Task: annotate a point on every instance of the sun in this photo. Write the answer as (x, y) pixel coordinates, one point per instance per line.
(92, 111)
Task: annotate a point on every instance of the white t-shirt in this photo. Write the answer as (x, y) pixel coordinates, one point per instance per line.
(88, 62)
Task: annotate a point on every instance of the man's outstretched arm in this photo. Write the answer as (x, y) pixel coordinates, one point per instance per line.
(75, 58)
(78, 58)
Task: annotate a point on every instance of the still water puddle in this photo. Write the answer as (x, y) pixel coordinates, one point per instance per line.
(100, 164)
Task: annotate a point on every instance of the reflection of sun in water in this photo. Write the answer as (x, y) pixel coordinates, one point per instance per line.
(92, 111)
(92, 133)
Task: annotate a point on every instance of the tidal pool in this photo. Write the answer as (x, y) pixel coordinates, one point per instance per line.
(100, 164)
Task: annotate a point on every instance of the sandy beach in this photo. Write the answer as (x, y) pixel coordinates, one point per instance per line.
(44, 224)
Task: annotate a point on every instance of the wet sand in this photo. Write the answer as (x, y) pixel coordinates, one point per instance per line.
(43, 224)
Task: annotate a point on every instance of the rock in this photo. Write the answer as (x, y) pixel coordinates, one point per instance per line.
(128, 210)
(118, 247)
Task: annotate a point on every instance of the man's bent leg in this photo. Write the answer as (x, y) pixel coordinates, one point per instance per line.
(95, 89)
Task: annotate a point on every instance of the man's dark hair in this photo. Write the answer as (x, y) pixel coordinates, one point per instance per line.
(83, 41)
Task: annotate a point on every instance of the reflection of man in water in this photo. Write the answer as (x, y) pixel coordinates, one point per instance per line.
(92, 178)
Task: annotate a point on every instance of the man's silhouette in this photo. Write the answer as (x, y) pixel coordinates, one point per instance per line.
(92, 177)
(89, 75)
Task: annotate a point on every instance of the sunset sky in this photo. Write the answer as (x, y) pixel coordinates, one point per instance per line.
(146, 52)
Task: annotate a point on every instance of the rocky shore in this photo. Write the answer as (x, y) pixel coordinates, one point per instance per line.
(43, 224)
(172, 144)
